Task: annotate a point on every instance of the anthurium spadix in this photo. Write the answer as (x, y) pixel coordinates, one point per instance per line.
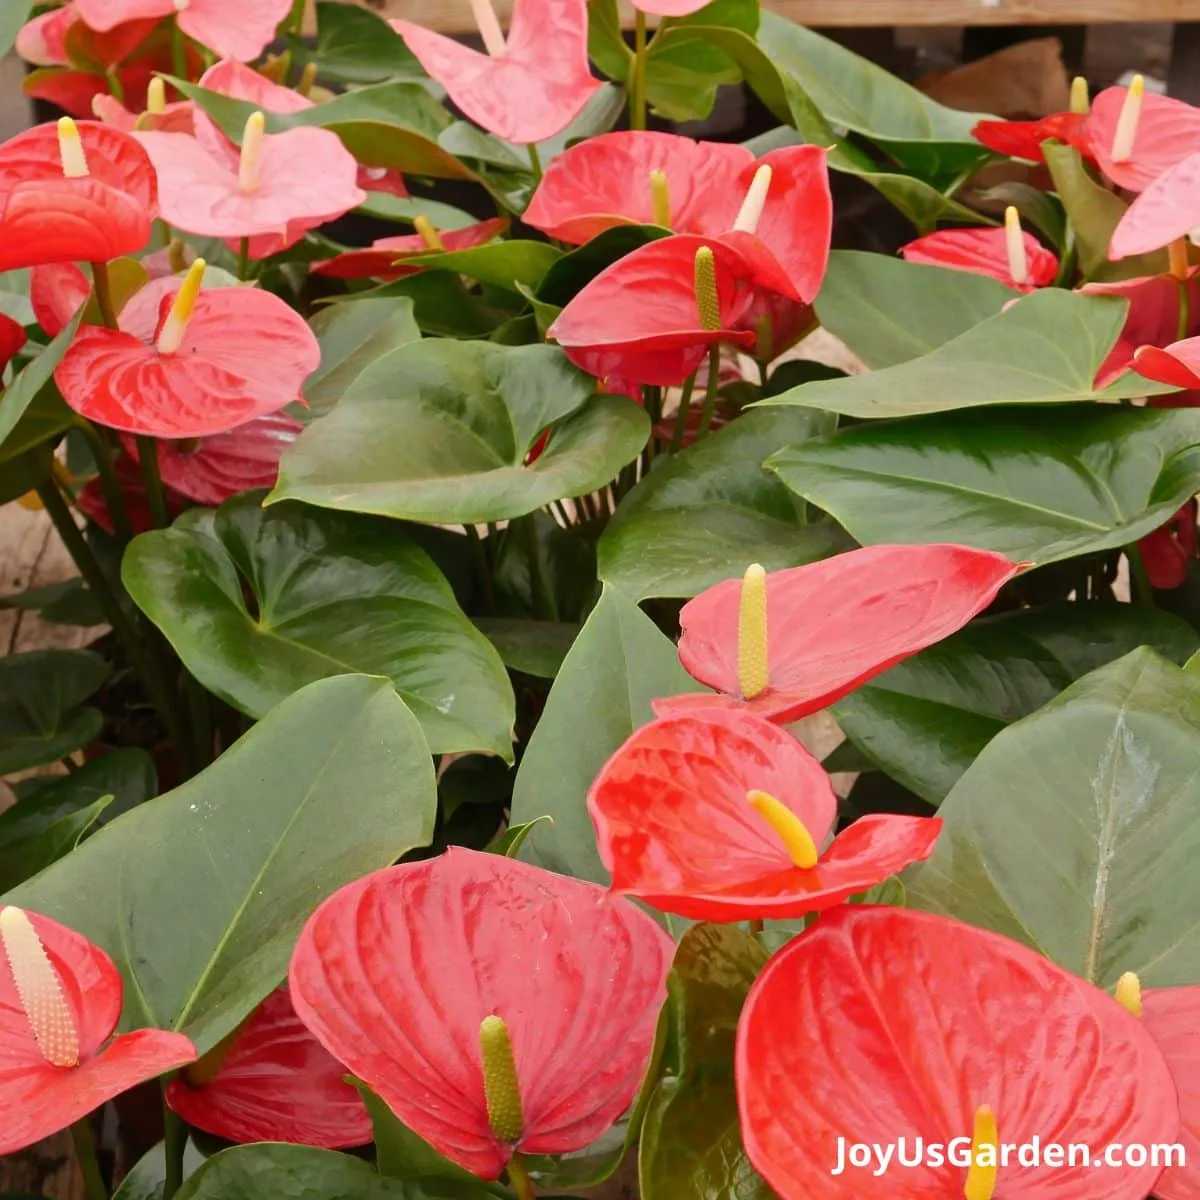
(722, 816)
(1136, 135)
(73, 193)
(1012, 256)
(882, 1024)
(188, 361)
(60, 997)
(496, 1008)
(525, 87)
(787, 643)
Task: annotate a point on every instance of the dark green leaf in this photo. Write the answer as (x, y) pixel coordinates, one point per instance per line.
(149, 1175)
(1075, 830)
(504, 264)
(199, 895)
(65, 603)
(532, 647)
(356, 46)
(19, 395)
(438, 432)
(618, 664)
(606, 46)
(571, 273)
(514, 837)
(442, 305)
(545, 571)
(259, 603)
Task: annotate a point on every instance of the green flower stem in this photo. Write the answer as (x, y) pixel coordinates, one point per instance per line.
(175, 1137)
(101, 442)
(89, 1164)
(178, 51)
(243, 259)
(1185, 311)
(535, 161)
(545, 607)
(681, 415)
(1139, 577)
(518, 1178)
(147, 449)
(637, 78)
(103, 290)
(710, 393)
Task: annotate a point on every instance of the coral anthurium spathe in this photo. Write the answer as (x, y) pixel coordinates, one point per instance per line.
(1177, 364)
(1168, 210)
(721, 816)
(791, 642)
(60, 997)
(56, 293)
(1017, 258)
(1137, 135)
(211, 469)
(93, 503)
(384, 258)
(1172, 1017)
(276, 187)
(1167, 550)
(272, 1081)
(524, 88)
(882, 1024)
(12, 338)
(1024, 139)
(73, 193)
(494, 1006)
(231, 28)
(189, 362)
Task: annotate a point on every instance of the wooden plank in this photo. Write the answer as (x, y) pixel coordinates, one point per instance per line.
(455, 15)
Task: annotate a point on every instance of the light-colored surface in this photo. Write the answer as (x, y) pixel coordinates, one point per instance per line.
(455, 15)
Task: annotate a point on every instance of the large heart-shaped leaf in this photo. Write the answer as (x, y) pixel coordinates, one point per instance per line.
(708, 511)
(691, 1142)
(618, 664)
(1076, 480)
(888, 311)
(925, 721)
(1045, 349)
(506, 264)
(356, 46)
(199, 895)
(42, 714)
(1075, 830)
(259, 603)
(439, 432)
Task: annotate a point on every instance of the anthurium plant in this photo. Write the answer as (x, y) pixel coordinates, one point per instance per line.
(479, 559)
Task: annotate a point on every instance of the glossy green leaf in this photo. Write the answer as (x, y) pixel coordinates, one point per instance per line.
(42, 711)
(33, 835)
(20, 394)
(888, 311)
(504, 264)
(925, 721)
(442, 304)
(66, 603)
(618, 664)
(545, 571)
(335, 782)
(404, 208)
(149, 1175)
(1038, 491)
(509, 843)
(259, 602)
(577, 268)
(711, 509)
(1075, 830)
(439, 431)
(532, 647)
(352, 337)
(356, 46)
(1045, 349)
(691, 1142)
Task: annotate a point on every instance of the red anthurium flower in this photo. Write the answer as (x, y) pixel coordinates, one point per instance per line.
(879, 1024)
(210, 470)
(1137, 135)
(1172, 1017)
(720, 816)
(1167, 551)
(1015, 258)
(1023, 139)
(56, 293)
(1167, 211)
(230, 27)
(272, 1082)
(792, 642)
(276, 188)
(93, 503)
(73, 193)
(60, 997)
(494, 1006)
(1177, 364)
(188, 363)
(524, 89)
(12, 338)
(384, 258)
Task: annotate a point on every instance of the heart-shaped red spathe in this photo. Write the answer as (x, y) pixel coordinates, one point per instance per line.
(1167, 550)
(1023, 139)
(276, 1084)
(1172, 1018)
(46, 217)
(675, 828)
(1168, 131)
(245, 353)
(880, 1023)
(984, 252)
(530, 93)
(395, 973)
(1177, 364)
(834, 624)
(40, 1099)
(384, 258)
(1168, 209)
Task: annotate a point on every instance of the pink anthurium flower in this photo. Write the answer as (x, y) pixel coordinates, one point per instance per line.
(384, 258)
(525, 88)
(177, 117)
(721, 816)
(1010, 255)
(889, 1026)
(211, 469)
(189, 363)
(272, 1082)
(231, 28)
(73, 193)
(1166, 211)
(495, 1007)
(1172, 1017)
(275, 189)
(42, 41)
(60, 997)
(792, 642)
(1137, 135)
